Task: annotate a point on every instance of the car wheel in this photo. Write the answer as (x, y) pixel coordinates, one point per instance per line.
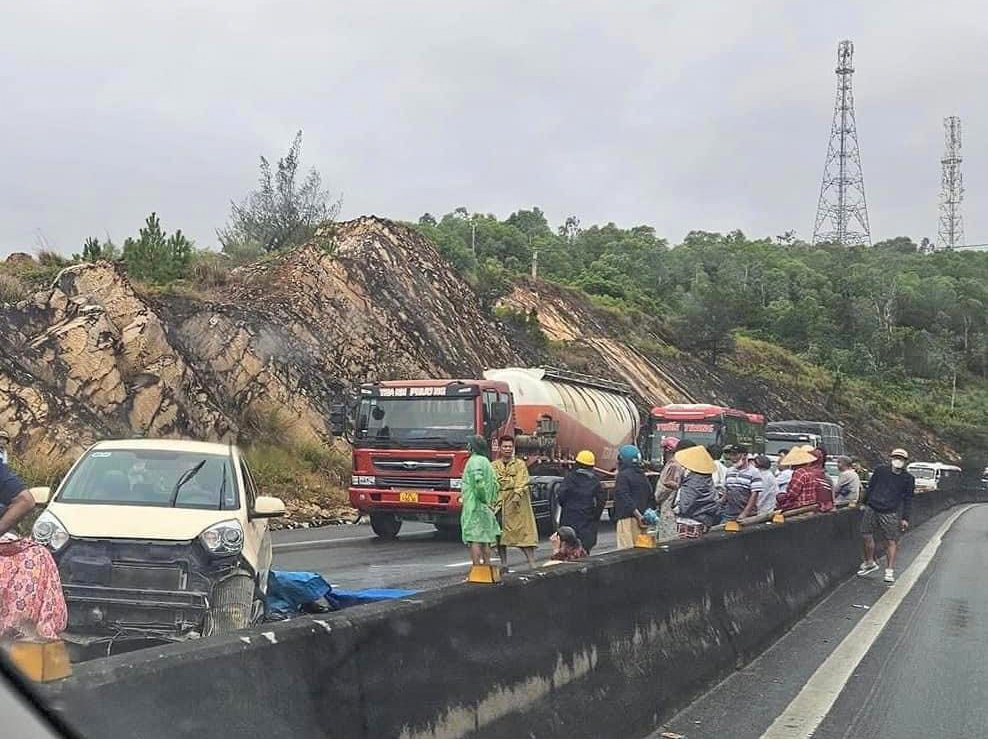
(385, 525)
(233, 605)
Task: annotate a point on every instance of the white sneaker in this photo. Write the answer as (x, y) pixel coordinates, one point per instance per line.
(889, 576)
(867, 568)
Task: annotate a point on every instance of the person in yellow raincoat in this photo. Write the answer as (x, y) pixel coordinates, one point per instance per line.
(515, 503)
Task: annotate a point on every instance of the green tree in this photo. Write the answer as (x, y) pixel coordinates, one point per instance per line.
(155, 256)
(282, 212)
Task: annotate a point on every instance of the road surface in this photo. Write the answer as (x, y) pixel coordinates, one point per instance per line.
(352, 557)
(872, 660)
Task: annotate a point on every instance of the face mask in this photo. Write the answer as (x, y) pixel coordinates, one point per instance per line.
(898, 464)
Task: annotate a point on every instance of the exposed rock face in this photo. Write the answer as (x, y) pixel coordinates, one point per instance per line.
(367, 299)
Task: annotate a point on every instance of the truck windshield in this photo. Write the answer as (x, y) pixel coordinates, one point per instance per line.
(152, 478)
(415, 422)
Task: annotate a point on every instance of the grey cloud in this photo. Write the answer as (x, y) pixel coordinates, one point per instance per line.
(708, 115)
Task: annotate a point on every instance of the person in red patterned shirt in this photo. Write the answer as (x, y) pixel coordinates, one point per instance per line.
(809, 484)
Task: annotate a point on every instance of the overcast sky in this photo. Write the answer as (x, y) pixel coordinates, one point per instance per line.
(684, 115)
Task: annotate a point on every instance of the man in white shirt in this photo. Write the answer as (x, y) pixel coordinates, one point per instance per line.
(784, 474)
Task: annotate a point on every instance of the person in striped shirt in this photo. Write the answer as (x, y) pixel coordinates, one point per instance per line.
(743, 483)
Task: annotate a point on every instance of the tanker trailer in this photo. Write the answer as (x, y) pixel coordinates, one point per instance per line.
(556, 414)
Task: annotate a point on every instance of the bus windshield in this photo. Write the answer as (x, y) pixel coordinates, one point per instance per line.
(415, 422)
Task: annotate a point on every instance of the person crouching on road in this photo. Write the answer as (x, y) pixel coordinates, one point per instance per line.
(887, 507)
(479, 490)
(566, 545)
(31, 600)
(581, 500)
(696, 503)
(632, 496)
(515, 503)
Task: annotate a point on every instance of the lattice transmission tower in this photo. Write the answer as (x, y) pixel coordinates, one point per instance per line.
(951, 231)
(842, 213)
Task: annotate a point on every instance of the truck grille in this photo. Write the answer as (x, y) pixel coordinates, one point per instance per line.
(433, 483)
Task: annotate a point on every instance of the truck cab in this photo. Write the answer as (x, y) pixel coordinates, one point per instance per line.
(410, 447)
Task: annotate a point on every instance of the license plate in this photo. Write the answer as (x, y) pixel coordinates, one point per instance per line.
(408, 497)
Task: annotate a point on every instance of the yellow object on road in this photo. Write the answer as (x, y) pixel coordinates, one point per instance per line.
(41, 661)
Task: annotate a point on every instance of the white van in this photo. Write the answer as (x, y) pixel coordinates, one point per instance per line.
(934, 475)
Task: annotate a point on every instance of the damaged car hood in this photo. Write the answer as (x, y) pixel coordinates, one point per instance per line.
(135, 522)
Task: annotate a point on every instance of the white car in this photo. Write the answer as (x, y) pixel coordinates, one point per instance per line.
(934, 475)
(158, 539)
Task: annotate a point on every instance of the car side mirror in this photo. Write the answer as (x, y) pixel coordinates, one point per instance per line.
(41, 496)
(267, 506)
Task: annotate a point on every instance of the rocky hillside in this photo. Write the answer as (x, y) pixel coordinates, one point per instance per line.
(94, 355)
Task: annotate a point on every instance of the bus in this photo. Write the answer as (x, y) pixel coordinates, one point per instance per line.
(706, 425)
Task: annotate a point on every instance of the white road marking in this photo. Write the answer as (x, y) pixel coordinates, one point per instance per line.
(803, 715)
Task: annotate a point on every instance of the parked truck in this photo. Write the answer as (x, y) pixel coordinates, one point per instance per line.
(788, 434)
(409, 438)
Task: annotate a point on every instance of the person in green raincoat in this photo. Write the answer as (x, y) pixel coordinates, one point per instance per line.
(477, 520)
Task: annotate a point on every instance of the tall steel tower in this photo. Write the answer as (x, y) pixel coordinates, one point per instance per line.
(951, 231)
(842, 214)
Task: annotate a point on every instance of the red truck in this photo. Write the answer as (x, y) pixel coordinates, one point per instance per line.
(409, 438)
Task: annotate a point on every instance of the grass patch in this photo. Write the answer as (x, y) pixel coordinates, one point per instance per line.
(12, 288)
(311, 478)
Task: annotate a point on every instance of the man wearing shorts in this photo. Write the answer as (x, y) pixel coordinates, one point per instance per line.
(887, 507)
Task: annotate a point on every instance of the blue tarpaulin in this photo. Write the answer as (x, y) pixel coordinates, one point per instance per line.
(289, 591)
(369, 595)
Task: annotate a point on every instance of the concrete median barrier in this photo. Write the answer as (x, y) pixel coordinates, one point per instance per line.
(602, 647)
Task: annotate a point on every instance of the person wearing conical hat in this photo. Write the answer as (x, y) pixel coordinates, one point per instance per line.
(696, 505)
(810, 484)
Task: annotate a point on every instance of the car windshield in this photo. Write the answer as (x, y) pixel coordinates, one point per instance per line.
(141, 477)
(415, 422)
(923, 473)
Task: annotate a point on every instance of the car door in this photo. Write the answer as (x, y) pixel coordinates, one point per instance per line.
(257, 536)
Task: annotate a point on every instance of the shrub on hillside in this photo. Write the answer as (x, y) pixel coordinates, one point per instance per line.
(12, 289)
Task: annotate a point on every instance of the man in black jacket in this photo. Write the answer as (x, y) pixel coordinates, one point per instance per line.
(581, 500)
(887, 507)
(632, 495)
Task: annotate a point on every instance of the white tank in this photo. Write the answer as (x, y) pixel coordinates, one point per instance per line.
(591, 413)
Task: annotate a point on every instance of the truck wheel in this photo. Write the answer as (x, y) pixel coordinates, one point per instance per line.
(385, 525)
(232, 606)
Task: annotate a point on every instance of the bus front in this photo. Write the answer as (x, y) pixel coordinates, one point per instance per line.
(701, 424)
(409, 451)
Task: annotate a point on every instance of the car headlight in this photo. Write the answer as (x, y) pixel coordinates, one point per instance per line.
(456, 483)
(363, 480)
(225, 537)
(48, 530)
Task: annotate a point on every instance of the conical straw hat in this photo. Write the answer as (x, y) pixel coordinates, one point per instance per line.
(796, 457)
(696, 459)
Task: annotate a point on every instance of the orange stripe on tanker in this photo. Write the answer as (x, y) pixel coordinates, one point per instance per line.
(588, 417)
